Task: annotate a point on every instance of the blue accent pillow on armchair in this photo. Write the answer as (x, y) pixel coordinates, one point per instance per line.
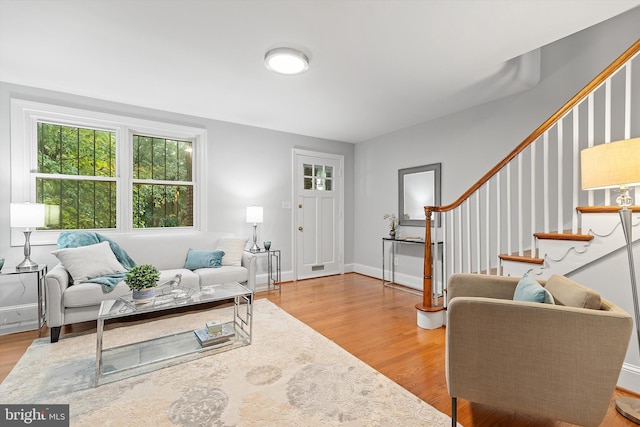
(529, 290)
(203, 259)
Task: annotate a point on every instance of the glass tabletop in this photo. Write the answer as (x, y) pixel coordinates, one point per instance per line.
(171, 297)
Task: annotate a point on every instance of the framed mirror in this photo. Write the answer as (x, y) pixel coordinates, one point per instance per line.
(418, 187)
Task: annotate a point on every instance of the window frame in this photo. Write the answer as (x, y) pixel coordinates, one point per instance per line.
(24, 157)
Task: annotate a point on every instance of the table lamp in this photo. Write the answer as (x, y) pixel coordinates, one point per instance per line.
(29, 216)
(254, 215)
(617, 165)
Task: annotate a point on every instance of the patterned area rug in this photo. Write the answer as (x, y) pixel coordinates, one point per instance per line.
(289, 376)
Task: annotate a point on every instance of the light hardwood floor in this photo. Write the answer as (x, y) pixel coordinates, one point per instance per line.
(377, 325)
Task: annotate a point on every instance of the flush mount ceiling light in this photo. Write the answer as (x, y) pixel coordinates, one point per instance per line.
(285, 60)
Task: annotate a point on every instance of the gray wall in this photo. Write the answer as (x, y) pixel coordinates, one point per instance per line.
(246, 166)
(470, 143)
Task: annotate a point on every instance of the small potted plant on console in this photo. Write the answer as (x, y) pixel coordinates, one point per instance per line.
(142, 279)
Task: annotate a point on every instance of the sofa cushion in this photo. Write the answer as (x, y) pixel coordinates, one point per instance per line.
(233, 248)
(88, 262)
(569, 293)
(88, 294)
(214, 276)
(203, 259)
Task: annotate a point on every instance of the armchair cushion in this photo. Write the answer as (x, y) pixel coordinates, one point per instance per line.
(571, 294)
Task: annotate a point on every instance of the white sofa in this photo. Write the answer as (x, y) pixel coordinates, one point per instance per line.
(68, 303)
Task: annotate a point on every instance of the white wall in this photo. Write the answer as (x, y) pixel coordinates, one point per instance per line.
(245, 166)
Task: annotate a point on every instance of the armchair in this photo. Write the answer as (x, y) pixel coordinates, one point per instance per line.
(557, 361)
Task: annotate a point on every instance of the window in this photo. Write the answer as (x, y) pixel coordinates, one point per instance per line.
(318, 177)
(76, 176)
(96, 171)
(162, 182)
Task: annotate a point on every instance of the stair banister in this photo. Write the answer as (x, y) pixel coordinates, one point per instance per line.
(430, 301)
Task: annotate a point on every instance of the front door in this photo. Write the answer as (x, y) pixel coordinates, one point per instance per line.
(318, 213)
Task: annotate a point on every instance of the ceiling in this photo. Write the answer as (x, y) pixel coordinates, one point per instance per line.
(375, 66)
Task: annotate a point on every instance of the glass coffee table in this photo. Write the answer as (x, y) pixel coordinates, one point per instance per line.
(116, 363)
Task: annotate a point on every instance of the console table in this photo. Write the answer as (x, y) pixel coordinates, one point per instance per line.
(394, 242)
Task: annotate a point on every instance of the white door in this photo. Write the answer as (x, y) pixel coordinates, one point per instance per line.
(318, 224)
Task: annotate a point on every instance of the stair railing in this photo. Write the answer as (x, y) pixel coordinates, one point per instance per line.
(536, 187)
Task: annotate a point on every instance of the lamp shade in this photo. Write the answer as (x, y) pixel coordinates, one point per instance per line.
(611, 165)
(254, 214)
(27, 215)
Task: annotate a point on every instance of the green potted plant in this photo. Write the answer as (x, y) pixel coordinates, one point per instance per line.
(141, 279)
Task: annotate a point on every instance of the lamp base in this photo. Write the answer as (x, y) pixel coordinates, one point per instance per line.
(629, 408)
(254, 248)
(27, 265)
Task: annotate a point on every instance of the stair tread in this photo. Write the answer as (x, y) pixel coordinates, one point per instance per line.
(604, 209)
(564, 236)
(521, 258)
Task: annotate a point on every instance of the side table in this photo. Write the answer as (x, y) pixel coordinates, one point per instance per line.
(273, 267)
(40, 273)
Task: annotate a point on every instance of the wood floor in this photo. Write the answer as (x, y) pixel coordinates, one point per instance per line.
(377, 325)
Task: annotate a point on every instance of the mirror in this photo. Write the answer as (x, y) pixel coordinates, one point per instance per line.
(418, 187)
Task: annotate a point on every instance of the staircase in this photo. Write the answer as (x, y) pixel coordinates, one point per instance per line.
(529, 214)
(563, 253)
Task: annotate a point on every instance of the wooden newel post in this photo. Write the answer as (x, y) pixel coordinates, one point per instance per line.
(427, 283)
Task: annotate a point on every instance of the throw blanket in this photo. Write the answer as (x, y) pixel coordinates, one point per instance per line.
(74, 239)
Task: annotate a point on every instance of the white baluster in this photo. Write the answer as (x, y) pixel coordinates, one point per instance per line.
(607, 128)
(590, 137)
(520, 230)
(576, 167)
(468, 234)
(560, 129)
(487, 227)
(533, 197)
(498, 222)
(545, 175)
(509, 251)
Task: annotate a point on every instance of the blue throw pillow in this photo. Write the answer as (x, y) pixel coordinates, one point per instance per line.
(203, 259)
(529, 290)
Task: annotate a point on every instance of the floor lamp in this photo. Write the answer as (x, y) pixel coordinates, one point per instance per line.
(617, 165)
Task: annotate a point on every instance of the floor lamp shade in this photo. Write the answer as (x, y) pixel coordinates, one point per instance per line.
(611, 165)
(27, 216)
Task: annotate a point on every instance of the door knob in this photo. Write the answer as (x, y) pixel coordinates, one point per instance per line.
(300, 228)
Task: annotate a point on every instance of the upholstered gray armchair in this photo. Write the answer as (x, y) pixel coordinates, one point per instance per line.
(558, 361)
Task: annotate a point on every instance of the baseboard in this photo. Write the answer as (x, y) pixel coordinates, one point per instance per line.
(630, 378)
(414, 282)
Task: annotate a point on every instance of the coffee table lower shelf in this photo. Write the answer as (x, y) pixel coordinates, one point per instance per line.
(145, 356)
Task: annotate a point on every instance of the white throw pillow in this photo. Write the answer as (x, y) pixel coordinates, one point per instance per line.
(88, 262)
(233, 248)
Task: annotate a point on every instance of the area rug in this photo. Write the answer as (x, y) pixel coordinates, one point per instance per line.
(289, 376)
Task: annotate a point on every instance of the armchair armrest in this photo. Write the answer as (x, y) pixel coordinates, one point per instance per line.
(547, 360)
(249, 261)
(56, 282)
